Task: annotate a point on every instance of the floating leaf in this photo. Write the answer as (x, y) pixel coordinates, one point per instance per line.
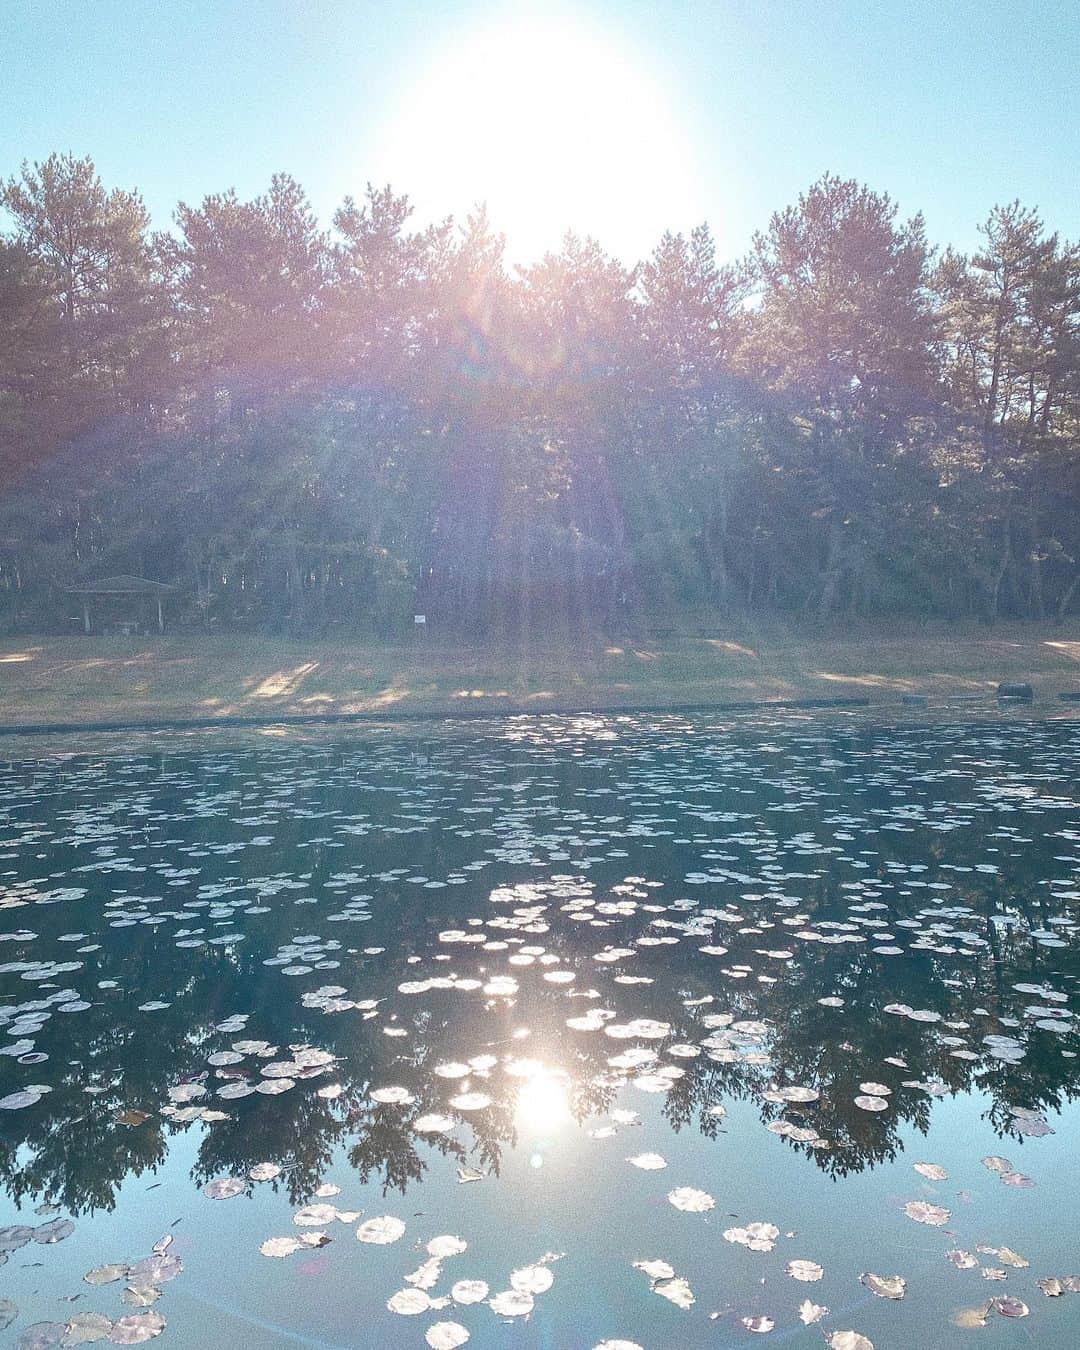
(280, 1246)
(996, 1164)
(156, 1269)
(314, 1216)
(380, 1231)
(532, 1279)
(87, 1327)
(186, 1092)
(648, 1162)
(140, 1295)
(1011, 1307)
(758, 1324)
(968, 1319)
(1010, 1258)
(806, 1271)
(224, 1188)
(511, 1303)
(759, 1237)
(446, 1335)
(18, 1101)
(676, 1291)
(932, 1215)
(131, 1117)
(471, 1101)
(409, 1302)
(433, 1124)
(469, 1291)
(931, 1171)
(811, 1312)
(392, 1096)
(656, 1270)
(137, 1327)
(691, 1201)
(42, 1336)
(847, 1340)
(885, 1286)
(106, 1274)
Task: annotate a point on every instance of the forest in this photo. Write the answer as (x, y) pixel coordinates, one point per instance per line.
(313, 430)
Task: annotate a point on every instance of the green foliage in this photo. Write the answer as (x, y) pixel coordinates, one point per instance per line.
(315, 431)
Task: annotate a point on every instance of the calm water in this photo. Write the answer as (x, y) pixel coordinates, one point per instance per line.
(761, 1009)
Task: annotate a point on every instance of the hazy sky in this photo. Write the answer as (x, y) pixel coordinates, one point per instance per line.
(620, 117)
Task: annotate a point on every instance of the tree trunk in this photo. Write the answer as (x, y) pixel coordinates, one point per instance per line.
(1003, 567)
(833, 574)
(1066, 598)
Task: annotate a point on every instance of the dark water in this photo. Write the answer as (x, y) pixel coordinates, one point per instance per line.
(566, 996)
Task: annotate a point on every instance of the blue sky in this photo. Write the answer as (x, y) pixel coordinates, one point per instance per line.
(950, 107)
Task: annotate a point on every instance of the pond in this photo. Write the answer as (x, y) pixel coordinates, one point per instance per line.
(548, 1033)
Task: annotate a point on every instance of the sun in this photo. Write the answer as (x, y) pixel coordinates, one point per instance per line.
(551, 125)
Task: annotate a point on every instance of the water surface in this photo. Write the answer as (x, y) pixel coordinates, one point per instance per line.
(665, 1031)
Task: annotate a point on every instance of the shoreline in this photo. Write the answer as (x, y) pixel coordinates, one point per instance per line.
(68, 685)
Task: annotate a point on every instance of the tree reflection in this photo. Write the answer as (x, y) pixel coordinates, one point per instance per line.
(959, 961)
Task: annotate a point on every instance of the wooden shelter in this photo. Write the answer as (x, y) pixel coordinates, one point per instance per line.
(121, 587)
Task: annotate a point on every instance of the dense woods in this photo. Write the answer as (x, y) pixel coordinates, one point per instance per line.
(317, 430)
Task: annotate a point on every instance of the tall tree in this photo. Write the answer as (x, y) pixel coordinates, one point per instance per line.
(248, 277)
(92, 267)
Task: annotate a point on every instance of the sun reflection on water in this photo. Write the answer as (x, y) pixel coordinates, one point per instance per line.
(543, 1104)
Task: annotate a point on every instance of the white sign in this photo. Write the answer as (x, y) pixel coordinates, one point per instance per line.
(419, 618)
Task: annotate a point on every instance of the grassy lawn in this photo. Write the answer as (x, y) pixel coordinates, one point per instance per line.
(78, 679)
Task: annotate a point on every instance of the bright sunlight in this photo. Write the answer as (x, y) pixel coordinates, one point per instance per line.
(552, 126)
(542, 1105)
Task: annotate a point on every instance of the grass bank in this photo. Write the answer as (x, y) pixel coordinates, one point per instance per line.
(181, 676)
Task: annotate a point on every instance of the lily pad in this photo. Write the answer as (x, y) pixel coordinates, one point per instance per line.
(380, 1231)
(885, 1286)
(511, 1303)
(224, 1188)
(446, 1335)
(469, 1291)
(691, 1201)
(137, 1327)
(932, 1215)
(85, 1328)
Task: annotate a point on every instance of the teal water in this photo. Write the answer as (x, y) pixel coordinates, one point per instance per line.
(577, 993)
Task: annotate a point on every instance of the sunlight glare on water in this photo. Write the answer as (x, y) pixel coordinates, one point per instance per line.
(542, 1106)
(563, 1032)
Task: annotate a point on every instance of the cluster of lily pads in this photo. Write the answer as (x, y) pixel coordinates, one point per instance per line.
(141, 1284)
(666, 913)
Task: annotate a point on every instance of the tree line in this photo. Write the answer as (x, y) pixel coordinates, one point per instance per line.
(313, 430)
